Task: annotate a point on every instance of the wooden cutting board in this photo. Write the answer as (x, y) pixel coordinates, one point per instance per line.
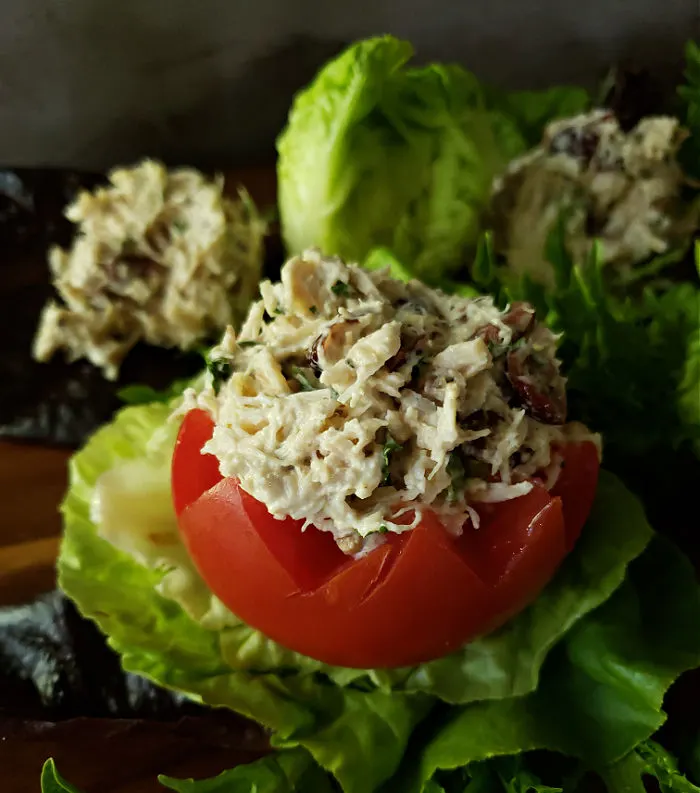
(32, 483)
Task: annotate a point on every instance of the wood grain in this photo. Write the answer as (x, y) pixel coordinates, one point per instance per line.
(32, 484)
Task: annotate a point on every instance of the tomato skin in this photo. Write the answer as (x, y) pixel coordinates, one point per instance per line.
(420, 595)
(192, 476)
(310, 557)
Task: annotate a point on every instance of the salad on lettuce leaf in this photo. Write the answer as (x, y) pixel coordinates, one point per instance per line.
(203, 531)
(591, 217)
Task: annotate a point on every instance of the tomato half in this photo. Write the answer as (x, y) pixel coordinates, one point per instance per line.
(419, 596)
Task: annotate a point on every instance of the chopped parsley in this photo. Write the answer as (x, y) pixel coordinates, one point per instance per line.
(458, 476)
(341, 289)
(248, 343)
(390, 447)
(313, 309)
(383, 529)
(496, 348)
(305, 380)
(220, 370)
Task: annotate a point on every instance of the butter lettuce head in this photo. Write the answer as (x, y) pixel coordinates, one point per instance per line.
(377, 153)
(595, 644)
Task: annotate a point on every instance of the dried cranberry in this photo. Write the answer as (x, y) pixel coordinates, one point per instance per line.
(540, 390)
(520, 319)
(490, 334)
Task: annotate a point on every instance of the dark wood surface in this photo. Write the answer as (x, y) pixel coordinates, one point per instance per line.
(112, 757)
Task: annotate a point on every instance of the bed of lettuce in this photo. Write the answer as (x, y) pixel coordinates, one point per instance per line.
(391, 165)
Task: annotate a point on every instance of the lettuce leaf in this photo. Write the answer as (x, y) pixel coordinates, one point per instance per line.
(602, 688)
(138, 394)
(283, 772)
(378, 154)
(533, 110)
(53, 782)
(632, 362)
(648, 760)
(505, 663)
(166, 626)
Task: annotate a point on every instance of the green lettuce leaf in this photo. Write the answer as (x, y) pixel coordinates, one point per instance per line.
(138, 394)
(533, 110)
(498, 775)
(283, 772)
(166, 626)
(505, 663)
(378, 154)
(632, 362)
(53, 782)
(602, 688)
(648, 760)
(186, 649)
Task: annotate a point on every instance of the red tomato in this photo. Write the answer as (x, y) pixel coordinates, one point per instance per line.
(419, 596)
(192, 476)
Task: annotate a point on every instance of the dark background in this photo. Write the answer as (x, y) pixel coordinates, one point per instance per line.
(87, 83)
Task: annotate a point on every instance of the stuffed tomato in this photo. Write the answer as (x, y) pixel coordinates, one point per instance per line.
(377, 473)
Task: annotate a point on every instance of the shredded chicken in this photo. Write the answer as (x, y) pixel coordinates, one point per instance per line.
(159, 256)
(620, 188)
(354, 402)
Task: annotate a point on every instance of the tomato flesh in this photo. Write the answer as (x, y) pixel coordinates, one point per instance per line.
(418, 596)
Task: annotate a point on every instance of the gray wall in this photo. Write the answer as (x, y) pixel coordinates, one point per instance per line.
(87, 83)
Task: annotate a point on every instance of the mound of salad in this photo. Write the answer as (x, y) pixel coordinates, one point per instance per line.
(420, 517)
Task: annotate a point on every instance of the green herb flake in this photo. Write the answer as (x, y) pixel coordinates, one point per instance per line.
(313, 309)
(383, 529)
(248, 343)
(390, 447)
(496, 348)
(455, 468)
(180, 225)
(305, 381)
(220, 370)
(341, 289)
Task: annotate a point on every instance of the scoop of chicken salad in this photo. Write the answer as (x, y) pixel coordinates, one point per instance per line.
(160, 256)
(620, 188)
(354, 402)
